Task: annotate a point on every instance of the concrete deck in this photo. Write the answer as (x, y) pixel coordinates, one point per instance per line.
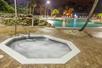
(90, 47)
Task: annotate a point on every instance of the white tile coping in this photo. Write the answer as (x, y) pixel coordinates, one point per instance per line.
(24, 60)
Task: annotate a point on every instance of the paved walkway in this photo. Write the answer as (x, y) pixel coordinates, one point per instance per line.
(95, 32)
(89, 57)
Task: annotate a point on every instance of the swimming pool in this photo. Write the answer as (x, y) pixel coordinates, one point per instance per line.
(74, 23)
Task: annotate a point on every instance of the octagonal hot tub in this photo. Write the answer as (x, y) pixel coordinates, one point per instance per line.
(39, 49)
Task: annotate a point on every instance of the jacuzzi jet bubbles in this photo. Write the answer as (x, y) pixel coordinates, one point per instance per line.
(39, 49)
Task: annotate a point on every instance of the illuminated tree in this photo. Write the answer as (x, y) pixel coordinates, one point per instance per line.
(99, 14)
(68, 12)
(55, 12)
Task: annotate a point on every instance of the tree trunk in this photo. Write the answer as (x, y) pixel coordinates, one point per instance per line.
(31, 5)
(90, 15)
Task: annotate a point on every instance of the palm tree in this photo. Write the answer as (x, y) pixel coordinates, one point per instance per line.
(5, 7)
(90, 15)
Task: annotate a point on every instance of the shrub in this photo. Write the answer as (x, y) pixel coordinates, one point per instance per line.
(25, 22)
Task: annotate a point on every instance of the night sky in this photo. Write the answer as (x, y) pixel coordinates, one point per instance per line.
(62, 2)
(78, 5)
(99, 6)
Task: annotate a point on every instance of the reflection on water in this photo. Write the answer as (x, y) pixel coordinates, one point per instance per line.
(75, 23)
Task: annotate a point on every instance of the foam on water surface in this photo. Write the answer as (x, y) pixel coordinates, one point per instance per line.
(40, 48)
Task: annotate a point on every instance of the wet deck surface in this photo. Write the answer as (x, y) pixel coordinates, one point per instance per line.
(89, 57)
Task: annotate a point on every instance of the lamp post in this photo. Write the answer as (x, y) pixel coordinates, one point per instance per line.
(15, 26)
(47, 3)
(15, 3)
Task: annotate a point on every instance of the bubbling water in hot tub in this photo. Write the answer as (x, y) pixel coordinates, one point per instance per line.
(40, 47)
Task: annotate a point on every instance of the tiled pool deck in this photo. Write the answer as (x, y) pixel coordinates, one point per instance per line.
(89, 57)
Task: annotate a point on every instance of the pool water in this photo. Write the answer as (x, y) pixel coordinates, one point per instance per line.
(75, 23)
(39, 47)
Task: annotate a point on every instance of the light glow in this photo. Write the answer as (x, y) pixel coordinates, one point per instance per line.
(48, 2)
(75, 16)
